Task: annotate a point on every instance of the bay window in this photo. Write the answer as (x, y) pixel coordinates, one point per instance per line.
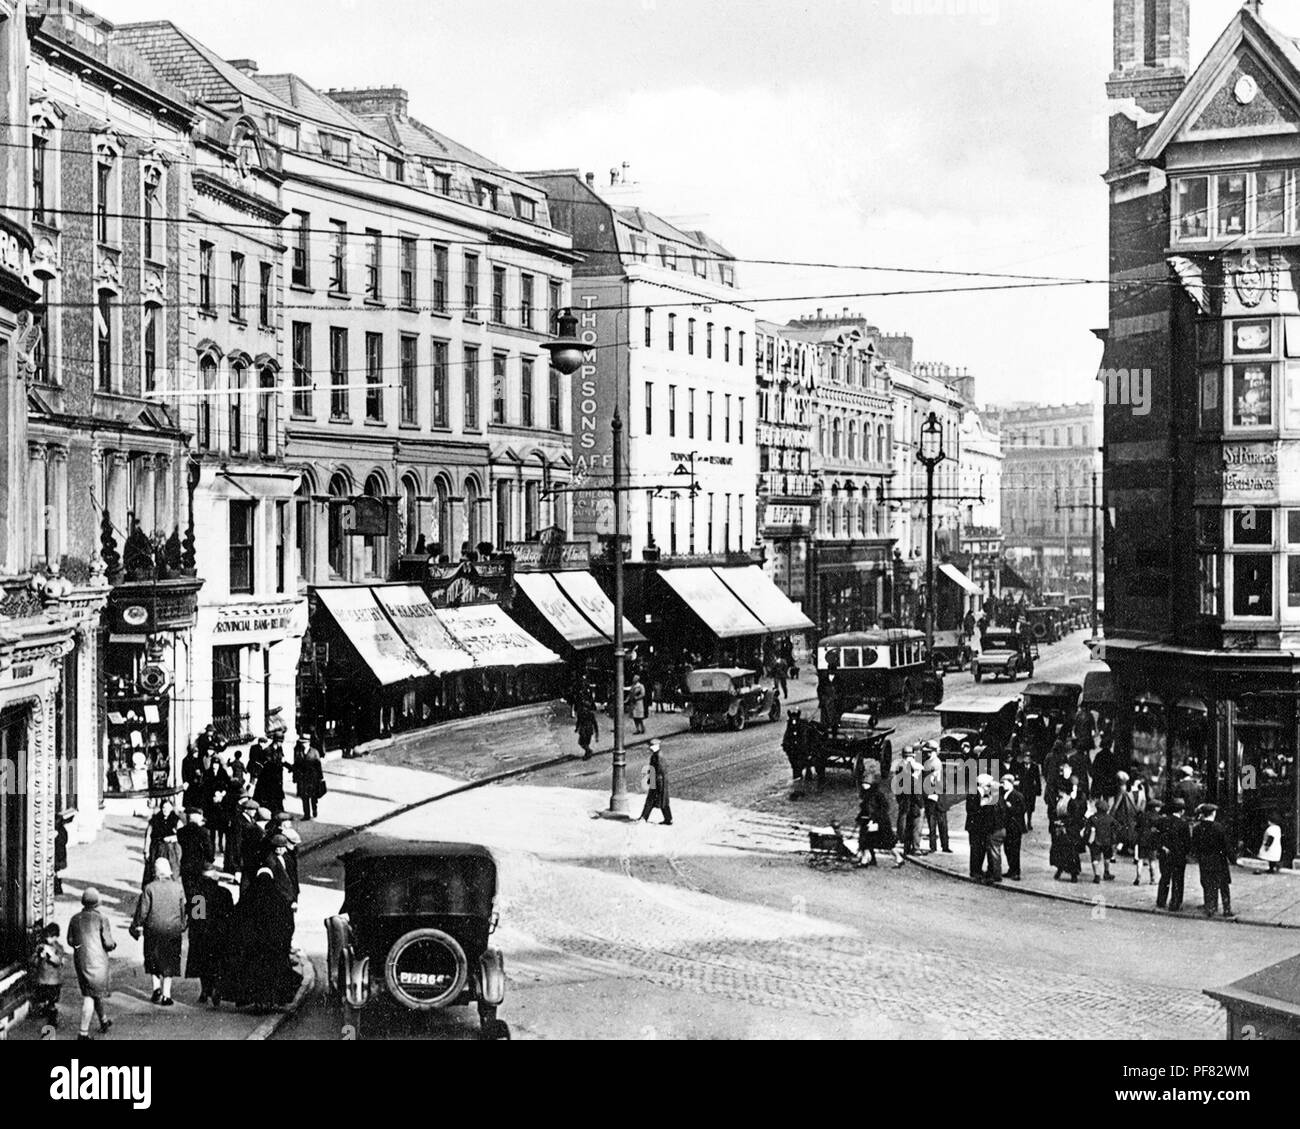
(1230, 190)
(1250, 557)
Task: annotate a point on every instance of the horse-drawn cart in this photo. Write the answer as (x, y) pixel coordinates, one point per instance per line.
(856, 743)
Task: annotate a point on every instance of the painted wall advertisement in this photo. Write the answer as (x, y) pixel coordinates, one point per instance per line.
(598, 387)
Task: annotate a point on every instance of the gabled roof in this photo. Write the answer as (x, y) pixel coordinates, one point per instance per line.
(1206, 109)
(421, 140)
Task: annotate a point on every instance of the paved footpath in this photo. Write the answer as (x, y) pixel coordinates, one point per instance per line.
(1258, 898)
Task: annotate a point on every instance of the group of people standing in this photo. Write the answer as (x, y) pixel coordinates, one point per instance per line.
(239, 948)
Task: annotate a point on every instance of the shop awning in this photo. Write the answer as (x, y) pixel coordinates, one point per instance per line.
(953, 573)
(370, 631)
(769, 605)
(713, 602)
(590, 599)
(417, 621)
(493, 639)
(559, 610)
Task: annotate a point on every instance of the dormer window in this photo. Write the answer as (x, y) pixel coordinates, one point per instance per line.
(289, 134)
(440, 182)
(335, 148)
(486, 194)
(667, 256)
(526, 208)
(392, 168)
(640, 248)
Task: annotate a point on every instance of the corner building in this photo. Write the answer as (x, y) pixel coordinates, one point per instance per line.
(1203, 563)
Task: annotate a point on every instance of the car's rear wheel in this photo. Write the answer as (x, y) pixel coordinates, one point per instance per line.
(738, 720)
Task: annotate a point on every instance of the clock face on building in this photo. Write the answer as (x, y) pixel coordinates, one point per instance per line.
(1245, 90)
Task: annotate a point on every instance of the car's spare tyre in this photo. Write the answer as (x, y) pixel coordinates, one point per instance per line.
(426, 969)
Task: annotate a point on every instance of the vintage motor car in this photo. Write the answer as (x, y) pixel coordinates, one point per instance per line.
(413, 931)
(1004, 653)
(1045, 623)
(1082, 607)
(728, 696)
(1055, 701)
(951, 651)
(970, 725)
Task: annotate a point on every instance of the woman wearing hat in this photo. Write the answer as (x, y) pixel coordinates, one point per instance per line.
(160, 916)
(91, 938)
(258, 967)
(160, 840)
(656, 781)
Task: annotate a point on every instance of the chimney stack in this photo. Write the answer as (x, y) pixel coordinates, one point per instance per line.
(244, 66)
(373, 100)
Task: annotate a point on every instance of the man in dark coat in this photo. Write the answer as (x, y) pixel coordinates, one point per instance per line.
(1173, 845)
(1189, 789)
(975, 830)
(216, 784)
(240, 825)
(197, 853)
(1012, 804)
(210, 906)
(269, 789)
(253, 848)
(656, 795)
(309, 776)
(793, 744)
(192, 765)
(1214, 858)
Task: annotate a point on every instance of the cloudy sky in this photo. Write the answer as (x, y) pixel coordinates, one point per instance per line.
(859, 132)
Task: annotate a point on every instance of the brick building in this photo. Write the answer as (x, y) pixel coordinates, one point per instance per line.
(1202, 581)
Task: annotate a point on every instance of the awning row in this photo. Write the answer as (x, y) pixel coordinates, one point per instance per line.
(574, 604)
(959, 578)
(400, 634)
(733, 602)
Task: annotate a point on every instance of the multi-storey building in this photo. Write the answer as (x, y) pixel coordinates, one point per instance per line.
(108, 488)
(980, 482)
(421, 285)
(787, 373)
(251, 616)
(1050, 453)
(1202, 439)
(853, 434)
(674, 339)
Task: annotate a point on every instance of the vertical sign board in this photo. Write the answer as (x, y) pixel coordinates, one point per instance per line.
(599, 386)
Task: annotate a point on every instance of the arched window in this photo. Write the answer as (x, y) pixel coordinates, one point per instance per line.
(833, 513)
(836, 430)
(473, 515)
(532, 507)
(267, 424)
(505, 522)
(852, 451)
(862, 519)
(340, 489)
(375, 488)
(208, 385)
(303, 526)
(410, 514)
(821, 435)
(238, 377)
(882, 454)
(440, 533)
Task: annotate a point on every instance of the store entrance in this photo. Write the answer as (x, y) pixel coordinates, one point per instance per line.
(14, 726)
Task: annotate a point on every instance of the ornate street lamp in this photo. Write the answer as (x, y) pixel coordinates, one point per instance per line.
(568, 354)
(930, 454)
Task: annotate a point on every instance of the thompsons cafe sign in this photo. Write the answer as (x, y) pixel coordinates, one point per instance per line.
(598, 386)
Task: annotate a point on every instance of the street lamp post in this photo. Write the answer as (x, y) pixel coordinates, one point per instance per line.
(568, 354)
(930, 454)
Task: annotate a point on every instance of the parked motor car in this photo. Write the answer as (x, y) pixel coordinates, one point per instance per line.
(951, 651)
(1004, 653)
(413, 933)
(728, 696)
(1044, 623)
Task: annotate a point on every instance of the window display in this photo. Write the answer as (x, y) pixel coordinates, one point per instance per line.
(1252, 395)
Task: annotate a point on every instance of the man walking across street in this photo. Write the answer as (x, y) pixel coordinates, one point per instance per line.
(991, 816)
(656, 781)
(1210, 846)
(1174, 843)
(910, 781)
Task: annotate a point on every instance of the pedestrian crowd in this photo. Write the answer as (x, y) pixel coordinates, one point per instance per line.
(239, 948)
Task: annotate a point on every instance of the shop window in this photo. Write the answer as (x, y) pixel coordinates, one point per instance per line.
(1270, 202)
(1266, 765)
(13, 876)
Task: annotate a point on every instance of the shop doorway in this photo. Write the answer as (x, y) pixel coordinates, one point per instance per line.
(14, 727)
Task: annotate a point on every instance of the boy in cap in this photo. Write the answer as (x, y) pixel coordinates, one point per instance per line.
(1173, 844)
(1099, 834)
(1013, 823)
(47, 970)
(1214, 859)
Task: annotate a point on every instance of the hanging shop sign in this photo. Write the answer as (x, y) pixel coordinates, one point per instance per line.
(533, 556)
(364, 516)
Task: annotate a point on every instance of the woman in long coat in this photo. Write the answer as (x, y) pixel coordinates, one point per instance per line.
(160, 841)
(656, 795)
(636, 696)
(211, 908)
(91, 938)
(875, 830)
(269, 789)
(160, 915)
(258, 967)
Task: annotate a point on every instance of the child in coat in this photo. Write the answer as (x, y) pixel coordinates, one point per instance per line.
(47, 971)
